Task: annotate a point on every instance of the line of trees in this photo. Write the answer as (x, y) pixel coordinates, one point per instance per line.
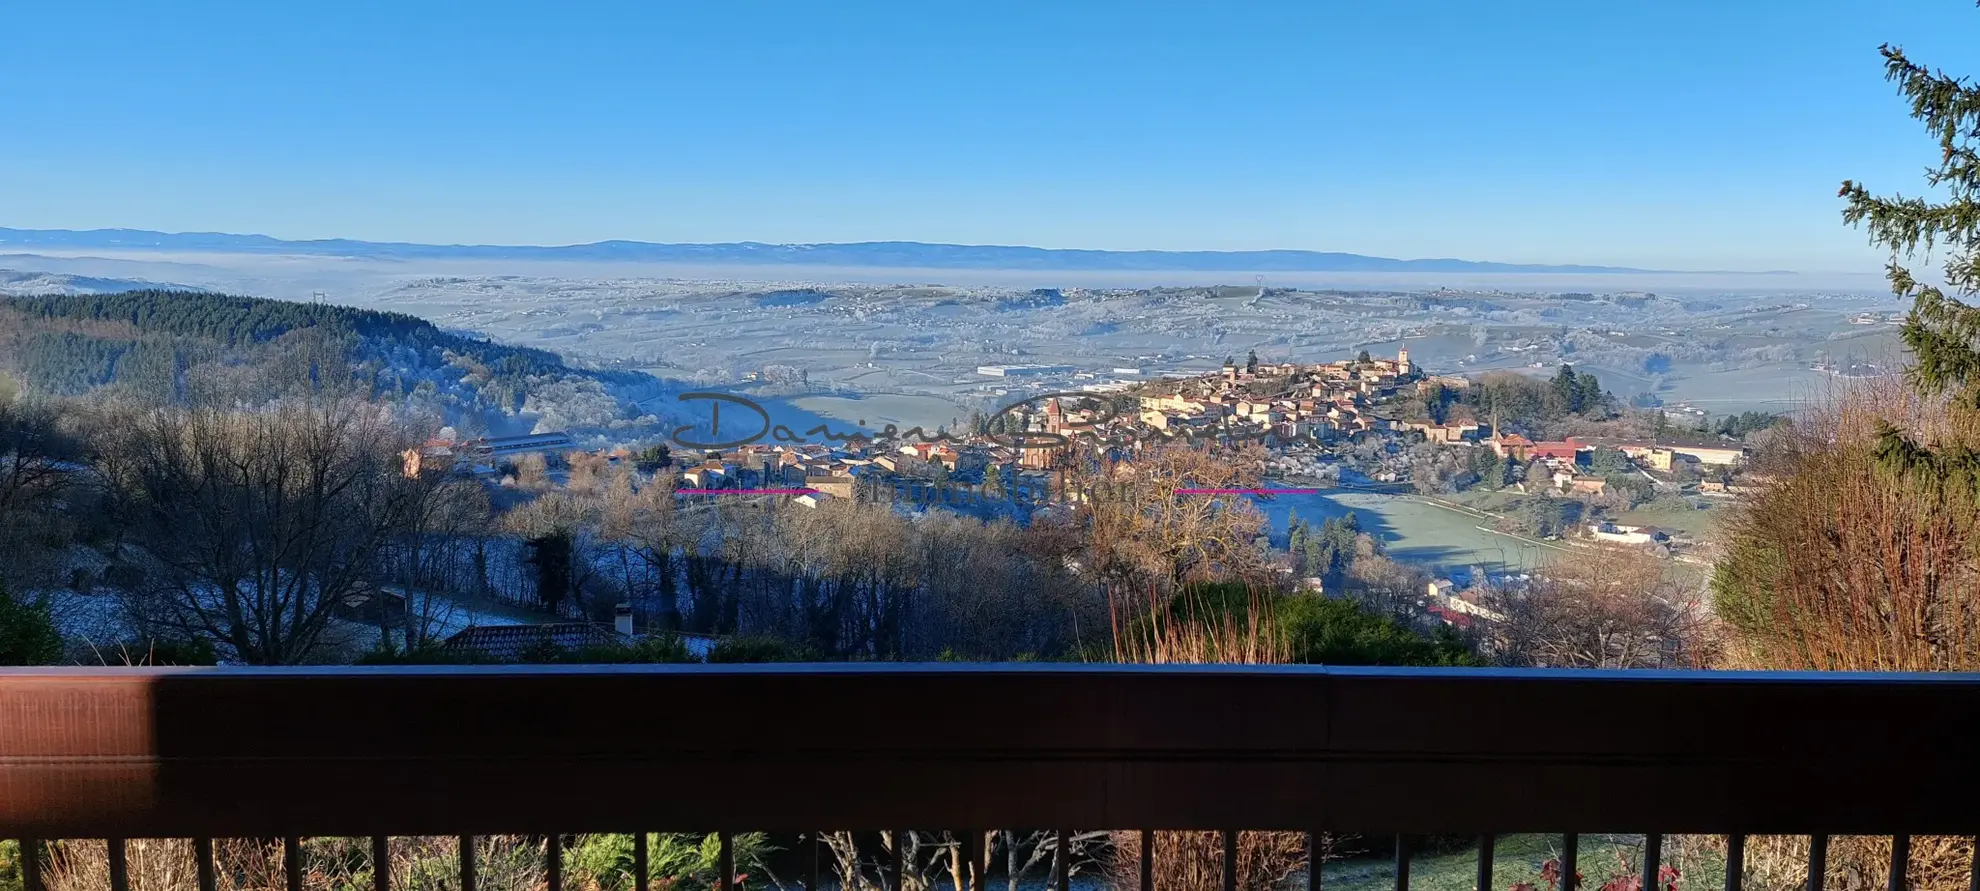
(1518, 401)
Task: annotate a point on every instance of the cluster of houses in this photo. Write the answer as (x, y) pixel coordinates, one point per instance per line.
(480, 456)
(1462, 601)
(1287, 400)
(1286, 403)
(837, 471)
(1566, 458)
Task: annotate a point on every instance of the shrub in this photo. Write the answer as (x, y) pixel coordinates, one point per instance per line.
(659, 649)
(1333, 631)
(166, 651)
(675, 861)
(756, 649)
(1233, 623)
(27, 632)
(10, 865)
(426, 655)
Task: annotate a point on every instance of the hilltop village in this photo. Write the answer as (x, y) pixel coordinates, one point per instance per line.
(1377, 423)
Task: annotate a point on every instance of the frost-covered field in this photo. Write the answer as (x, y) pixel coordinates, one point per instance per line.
(892, 346)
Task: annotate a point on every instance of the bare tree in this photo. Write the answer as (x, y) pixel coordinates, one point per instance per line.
(1619, 608)
(36, 473)
(443, 514)
(1146, 529)
(259, 523)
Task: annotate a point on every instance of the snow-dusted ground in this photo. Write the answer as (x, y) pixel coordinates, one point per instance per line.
(98, 621)
(886, 342)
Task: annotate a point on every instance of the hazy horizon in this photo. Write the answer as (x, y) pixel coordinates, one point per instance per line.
(298, 276)
(1686, 135)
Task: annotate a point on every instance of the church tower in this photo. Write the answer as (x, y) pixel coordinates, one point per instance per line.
(1402, 360)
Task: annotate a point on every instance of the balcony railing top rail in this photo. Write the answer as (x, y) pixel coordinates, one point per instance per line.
(479, 750)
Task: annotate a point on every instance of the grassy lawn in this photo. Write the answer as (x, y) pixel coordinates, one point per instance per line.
(1699, 524)
(1517, 859)
(1487, 500)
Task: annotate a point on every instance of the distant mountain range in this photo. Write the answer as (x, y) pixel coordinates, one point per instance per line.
(881, 254)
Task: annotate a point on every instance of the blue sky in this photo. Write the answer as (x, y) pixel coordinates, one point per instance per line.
(1696, 134)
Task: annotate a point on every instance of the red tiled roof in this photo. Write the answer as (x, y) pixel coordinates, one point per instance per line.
(1451, 616)
(1566, 449)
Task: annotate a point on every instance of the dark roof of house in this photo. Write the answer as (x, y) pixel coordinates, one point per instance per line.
(507, 643)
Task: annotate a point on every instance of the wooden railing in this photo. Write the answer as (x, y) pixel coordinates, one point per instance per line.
(464, 751)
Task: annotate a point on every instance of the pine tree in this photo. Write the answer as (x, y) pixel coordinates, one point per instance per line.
(1296, 537)
(551, 555)
(1941, 331)
(1251, 363)
(1568, 388)
(1588, 393)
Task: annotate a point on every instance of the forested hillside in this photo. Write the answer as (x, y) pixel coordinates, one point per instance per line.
(165, 345)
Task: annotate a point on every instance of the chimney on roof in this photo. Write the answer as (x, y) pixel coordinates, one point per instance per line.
(622, 619)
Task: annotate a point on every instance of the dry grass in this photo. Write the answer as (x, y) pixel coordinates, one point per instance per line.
(1193, 630)
(1840, 566)
(504, 863)
(1194, 861)
(1858, 863)
(1843, 566)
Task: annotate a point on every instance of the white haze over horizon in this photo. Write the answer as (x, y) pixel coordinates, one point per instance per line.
(354, 280)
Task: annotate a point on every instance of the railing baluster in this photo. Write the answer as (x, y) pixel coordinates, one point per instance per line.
(727, 844)
(1735, 862)
(1402, 863)
(31, 865)
(982, 863)
(898, 865)
(1653, 861)
(120, 864)
(1818, 861)
(292, 871)
(553, 861)
(203, 864)
(1062, 870)
(966, 859)
(381, 864)
(464, 846)
(1900, 861)
(1230, 860)
(979, 860)
(639, 863)
(1486, 846)
(1570, 865)
(810, 864)
(1148, 860)
(1314, 856)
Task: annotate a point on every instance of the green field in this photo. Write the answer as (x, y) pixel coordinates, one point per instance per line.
(1699, 524)
(1415, 530)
